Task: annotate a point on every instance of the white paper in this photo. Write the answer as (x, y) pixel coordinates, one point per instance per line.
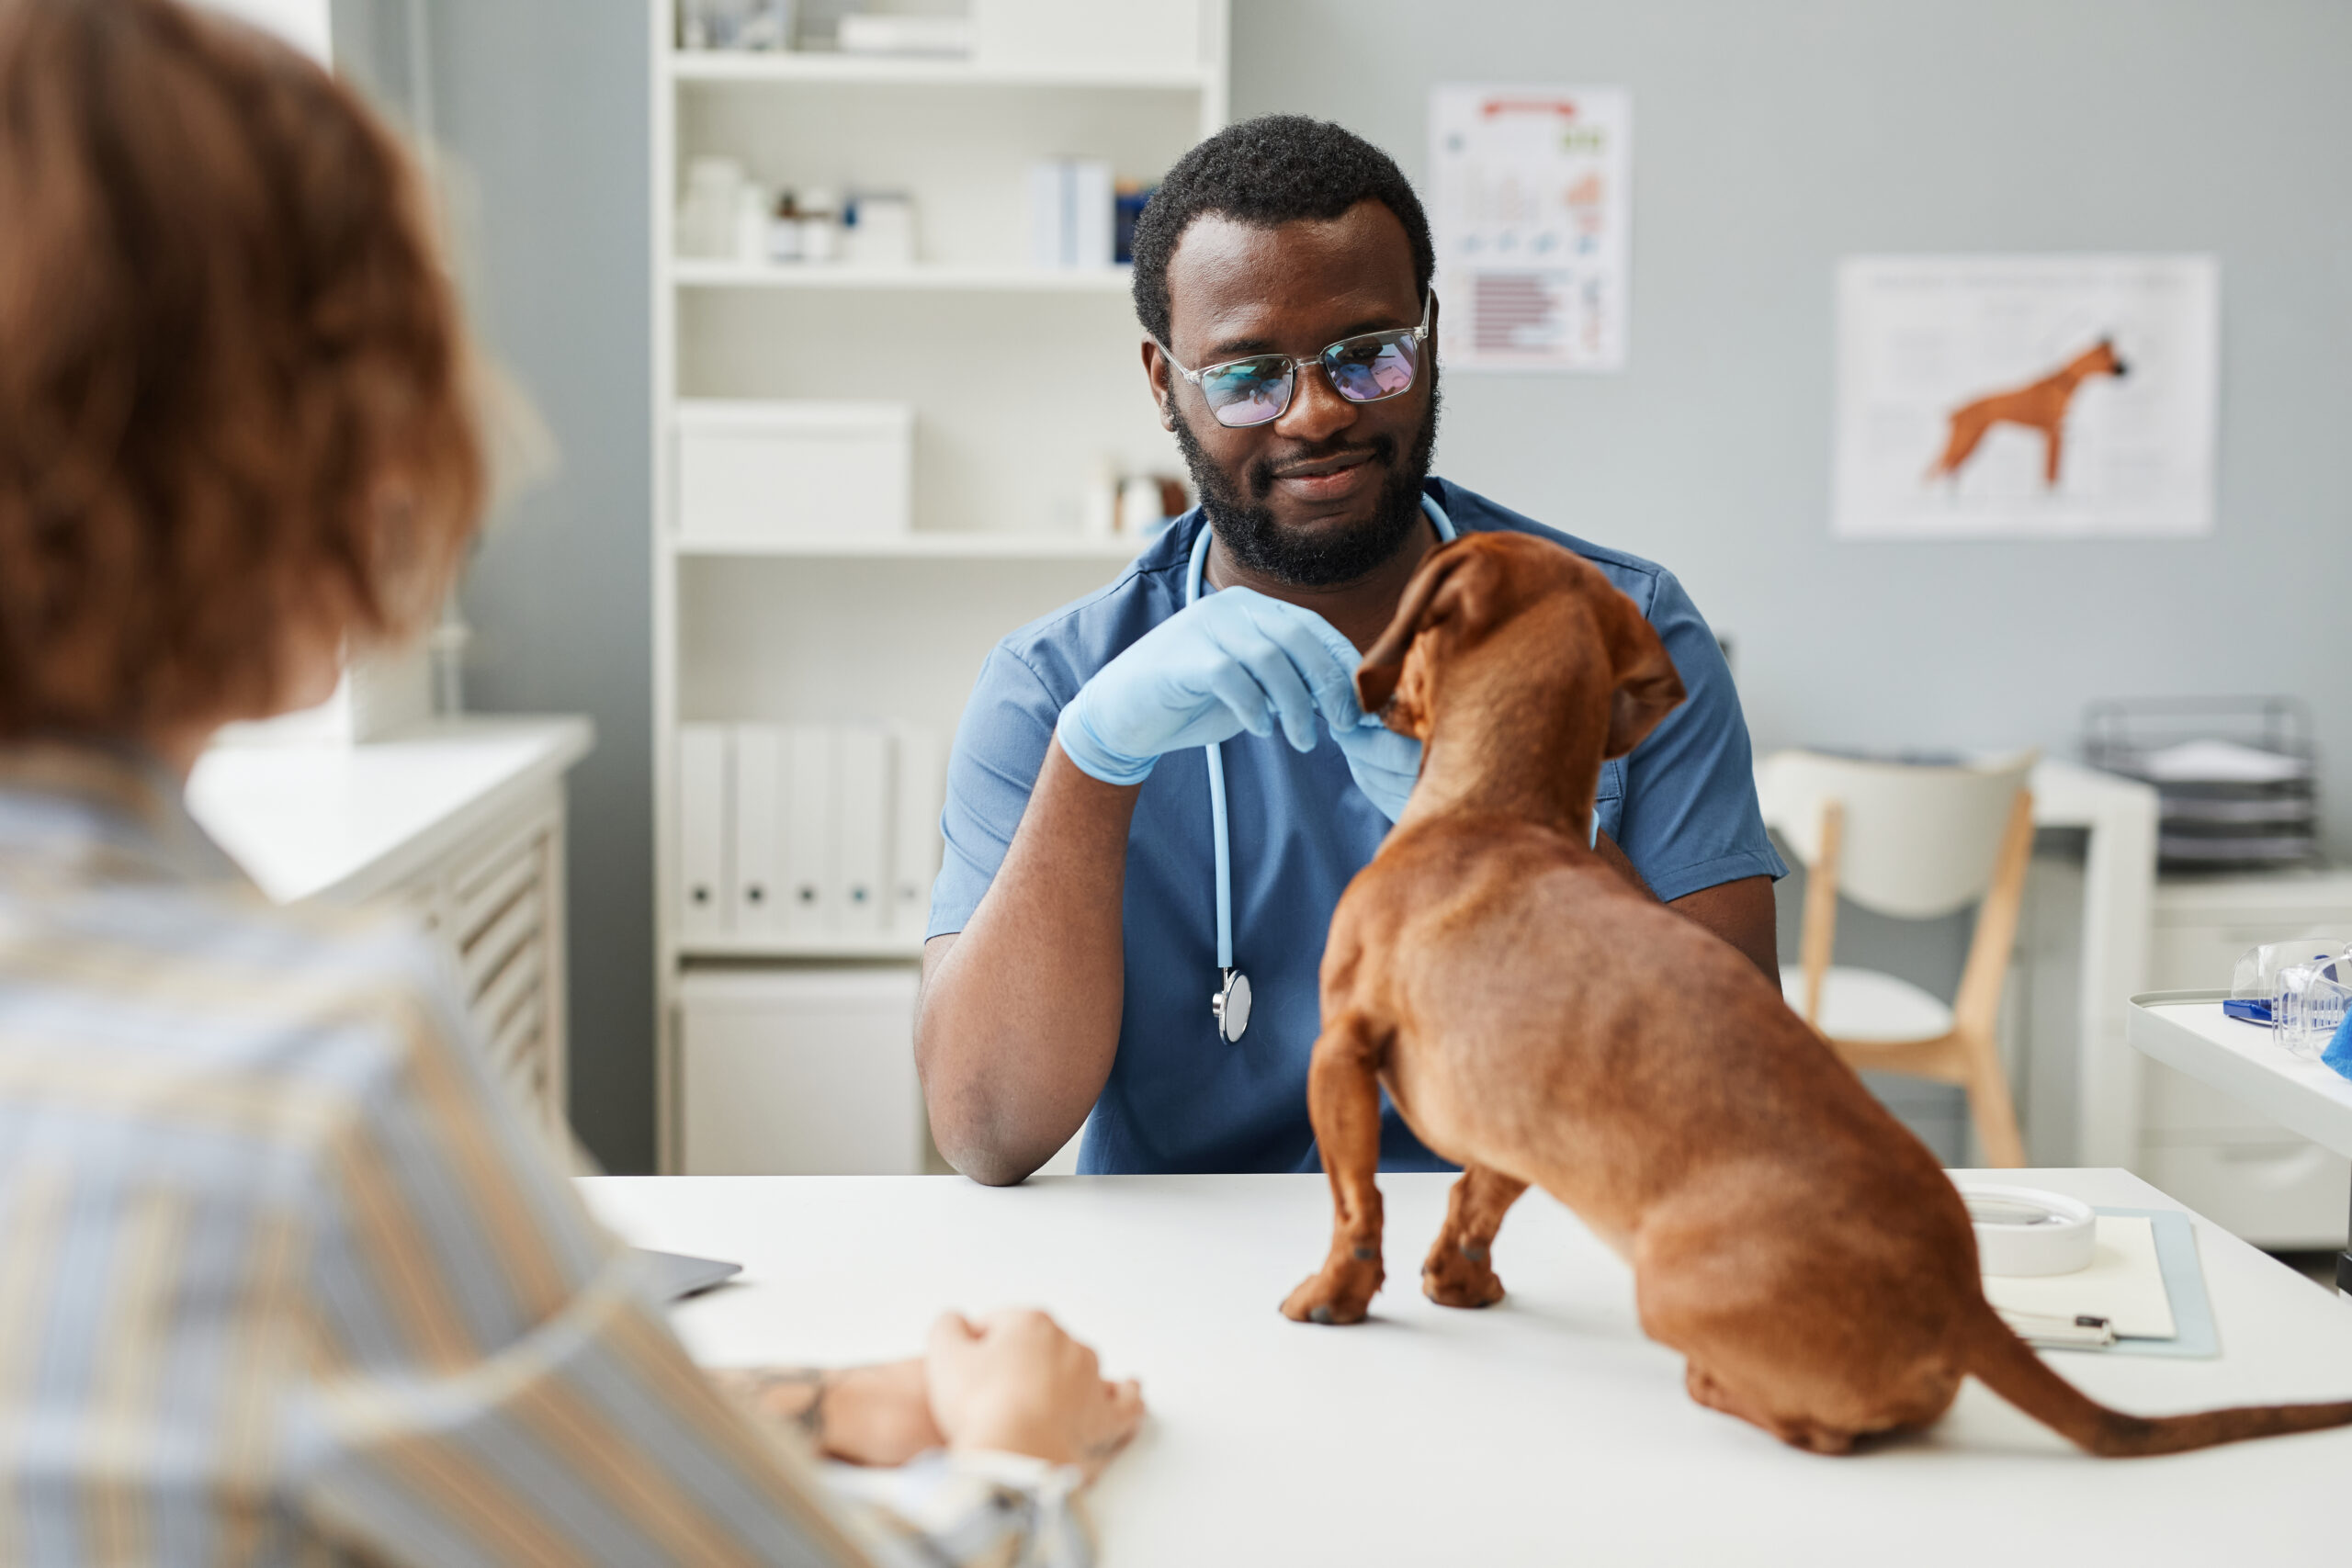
(1924, 343)
(2123, 1284)
(1531, 209)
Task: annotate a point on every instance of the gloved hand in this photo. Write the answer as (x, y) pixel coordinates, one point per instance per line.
(1384, 763)
(1236, 660)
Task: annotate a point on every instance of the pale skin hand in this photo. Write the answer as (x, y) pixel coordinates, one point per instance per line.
(1016, 1382)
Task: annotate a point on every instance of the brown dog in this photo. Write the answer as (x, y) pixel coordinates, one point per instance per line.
(2040, 405)
(1540, 1022)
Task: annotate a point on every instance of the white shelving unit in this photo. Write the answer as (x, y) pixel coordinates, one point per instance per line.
(1023, 382)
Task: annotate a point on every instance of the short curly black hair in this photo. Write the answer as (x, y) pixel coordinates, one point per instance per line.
(1275, 169)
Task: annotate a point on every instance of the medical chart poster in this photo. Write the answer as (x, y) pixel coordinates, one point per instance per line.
(1530, 205)
(2025, 397)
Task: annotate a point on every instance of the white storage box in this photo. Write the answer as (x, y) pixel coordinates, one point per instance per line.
(798, 1072)
(752, 472)
(1137, 35)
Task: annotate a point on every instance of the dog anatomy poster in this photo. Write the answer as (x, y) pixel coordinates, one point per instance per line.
(2025, 397)
(1531, 206)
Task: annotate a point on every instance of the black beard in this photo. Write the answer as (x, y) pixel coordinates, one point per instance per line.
(1260, 544)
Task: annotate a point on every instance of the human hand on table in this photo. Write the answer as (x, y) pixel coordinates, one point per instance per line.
(1237, 662)
(1015, 1382)
(876, 1415)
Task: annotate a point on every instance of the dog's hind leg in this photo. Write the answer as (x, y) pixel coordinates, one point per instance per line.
(1458, 1272)
(1344, 1102)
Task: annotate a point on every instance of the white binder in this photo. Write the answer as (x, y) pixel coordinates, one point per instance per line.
(861, 904)
(759, 892)
(809, 808)
(914, 856)
(703, 893)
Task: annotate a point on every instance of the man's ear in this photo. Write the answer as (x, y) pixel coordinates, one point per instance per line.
(1159, 376)
(1647, 688)
(1449, 586)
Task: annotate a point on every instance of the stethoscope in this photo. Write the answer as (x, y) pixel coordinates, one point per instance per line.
(1231, 1000)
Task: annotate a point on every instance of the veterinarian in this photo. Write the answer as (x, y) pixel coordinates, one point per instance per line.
(1282, 276)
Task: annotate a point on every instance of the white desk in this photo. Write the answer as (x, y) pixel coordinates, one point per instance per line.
(2118, 898)
(1545, 1429)
(2187, 1031)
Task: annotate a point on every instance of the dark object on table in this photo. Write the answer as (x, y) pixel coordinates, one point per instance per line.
(677, 1276)
(2237, 777)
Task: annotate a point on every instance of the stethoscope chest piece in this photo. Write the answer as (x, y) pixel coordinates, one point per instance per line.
(1231, 1005)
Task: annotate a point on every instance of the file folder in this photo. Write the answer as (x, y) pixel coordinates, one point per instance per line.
(759, 900)
(808, 829)
(861, 904)
(914, 857)
(703, 893)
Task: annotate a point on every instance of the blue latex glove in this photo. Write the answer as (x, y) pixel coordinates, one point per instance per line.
(1236, 660)
(1384, 763)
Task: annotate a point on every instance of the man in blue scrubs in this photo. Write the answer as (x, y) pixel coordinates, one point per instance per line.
(1282, 278)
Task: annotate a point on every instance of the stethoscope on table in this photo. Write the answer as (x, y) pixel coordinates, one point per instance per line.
(1231, 1000)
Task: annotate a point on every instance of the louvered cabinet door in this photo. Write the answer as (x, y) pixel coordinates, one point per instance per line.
(497, 902)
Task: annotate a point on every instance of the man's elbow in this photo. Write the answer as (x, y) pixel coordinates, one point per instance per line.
(969, 1135)
(966, 1144)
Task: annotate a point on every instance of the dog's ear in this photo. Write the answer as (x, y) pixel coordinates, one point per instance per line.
(1648, 686)
(1453, 583)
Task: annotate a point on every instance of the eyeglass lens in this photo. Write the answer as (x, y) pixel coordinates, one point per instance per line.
(1362, 370)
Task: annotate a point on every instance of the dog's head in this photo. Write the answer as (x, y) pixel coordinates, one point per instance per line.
(1506, 615)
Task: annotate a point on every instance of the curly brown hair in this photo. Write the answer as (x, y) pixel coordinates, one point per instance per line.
(233, 380)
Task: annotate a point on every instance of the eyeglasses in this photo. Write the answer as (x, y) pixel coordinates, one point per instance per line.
(1365, 369)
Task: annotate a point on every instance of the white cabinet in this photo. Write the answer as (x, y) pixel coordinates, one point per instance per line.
(798, 1072)
(812, 567)
(2240, 1169)
(460, 820)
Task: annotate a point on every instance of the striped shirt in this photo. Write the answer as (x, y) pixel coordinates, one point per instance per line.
(284, 1280)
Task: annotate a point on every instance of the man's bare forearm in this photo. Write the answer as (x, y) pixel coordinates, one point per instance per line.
(1019, 1012)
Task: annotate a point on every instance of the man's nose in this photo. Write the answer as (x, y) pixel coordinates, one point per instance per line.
(1317, 412)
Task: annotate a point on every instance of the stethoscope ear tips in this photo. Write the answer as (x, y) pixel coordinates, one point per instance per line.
(1230, 1002)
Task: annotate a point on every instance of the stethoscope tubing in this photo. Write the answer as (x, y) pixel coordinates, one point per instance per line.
(1220, 838)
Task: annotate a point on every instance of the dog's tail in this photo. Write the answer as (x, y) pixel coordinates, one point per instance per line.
(2007, 1366)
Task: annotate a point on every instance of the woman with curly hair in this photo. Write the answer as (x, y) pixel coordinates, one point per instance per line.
(281, 1277)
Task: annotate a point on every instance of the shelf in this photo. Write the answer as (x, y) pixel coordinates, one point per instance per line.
(908, 71)
(694, 273)
(921, 547)
(780, 947)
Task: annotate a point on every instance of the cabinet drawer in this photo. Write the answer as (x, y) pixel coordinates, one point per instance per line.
(2280, 1192)
(798, 1073)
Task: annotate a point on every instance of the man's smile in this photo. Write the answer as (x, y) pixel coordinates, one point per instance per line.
(1322, 481)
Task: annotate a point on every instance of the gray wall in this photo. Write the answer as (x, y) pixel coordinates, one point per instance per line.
(1772, 136)
(544, 107)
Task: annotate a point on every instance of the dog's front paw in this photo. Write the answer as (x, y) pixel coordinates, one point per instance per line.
(1453, 1278)
(1342, 1293)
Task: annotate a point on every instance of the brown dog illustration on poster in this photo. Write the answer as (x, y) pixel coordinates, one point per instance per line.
(2039, 405)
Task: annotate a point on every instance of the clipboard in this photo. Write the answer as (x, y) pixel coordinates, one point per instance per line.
(2194, 1336)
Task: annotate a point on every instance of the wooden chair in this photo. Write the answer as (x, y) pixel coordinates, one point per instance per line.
(1915, 844)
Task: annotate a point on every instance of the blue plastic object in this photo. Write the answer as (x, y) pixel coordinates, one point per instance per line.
(2339, 1053)
(2254, 1010)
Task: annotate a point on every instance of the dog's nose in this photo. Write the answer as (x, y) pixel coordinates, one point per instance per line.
(2122, 369)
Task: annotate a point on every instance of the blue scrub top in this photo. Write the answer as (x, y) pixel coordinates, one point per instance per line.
(1682, 807)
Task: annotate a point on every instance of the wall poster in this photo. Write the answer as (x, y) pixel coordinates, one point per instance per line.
(1531, 202)
(2025, 397)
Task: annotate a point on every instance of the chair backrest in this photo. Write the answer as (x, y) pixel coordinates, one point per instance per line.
(1918, 841)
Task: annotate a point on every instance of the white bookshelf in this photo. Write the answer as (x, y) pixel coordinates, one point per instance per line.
(1024, 383)
(966, 279)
